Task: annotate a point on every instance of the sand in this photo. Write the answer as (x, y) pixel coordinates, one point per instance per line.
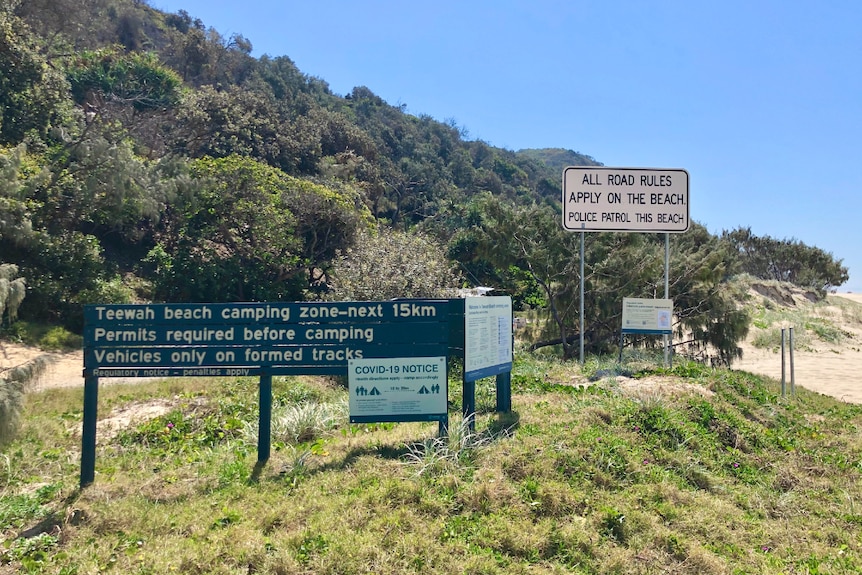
(64, 369)
(831, 369)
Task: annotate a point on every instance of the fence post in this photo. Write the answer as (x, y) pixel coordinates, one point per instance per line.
(792, 374)
(783, 385)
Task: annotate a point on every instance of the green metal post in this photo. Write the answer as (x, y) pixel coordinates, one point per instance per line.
(88, 432)
(504, 392)
(469, 407)
(264, 425)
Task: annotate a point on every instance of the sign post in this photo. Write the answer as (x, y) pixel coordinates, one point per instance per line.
(487, 350)
(488, 336)
(398, 389)
(600, 199)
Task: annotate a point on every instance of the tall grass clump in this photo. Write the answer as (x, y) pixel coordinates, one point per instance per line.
(294, 424)
(440, 455)
(810, 325)
(13, 385)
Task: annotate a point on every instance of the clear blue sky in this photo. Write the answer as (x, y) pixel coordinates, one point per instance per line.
(760, 100)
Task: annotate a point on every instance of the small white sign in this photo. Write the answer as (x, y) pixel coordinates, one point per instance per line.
(641, 315)
(488, 336)
(397, 387)
(599, 199)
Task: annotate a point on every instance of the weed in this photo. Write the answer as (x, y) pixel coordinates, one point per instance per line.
(290, 390)
(826, 331)
(613, 525)
(33, 553)
(177, 431)
(15, 510)
(311, 544)
(807, 323)
(690, 369)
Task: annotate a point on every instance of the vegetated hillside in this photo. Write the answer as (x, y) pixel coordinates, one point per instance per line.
(558, 159)
(694, 471)
(147, 157)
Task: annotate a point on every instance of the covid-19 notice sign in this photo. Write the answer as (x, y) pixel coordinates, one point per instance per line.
(397, 389)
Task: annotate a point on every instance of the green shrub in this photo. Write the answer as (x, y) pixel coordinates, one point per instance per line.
(60, 339)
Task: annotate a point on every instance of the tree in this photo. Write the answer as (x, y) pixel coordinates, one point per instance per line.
(250, 232)
(16, 225)
(137, 79)
(711, 317)
(100, 187)
(386, 264)
(64, 265)
(60, 268)
(31, 92)
(13, 290)
(531, 239)
(233, 240)
(786, 260)
(327, 222)
(617, 265)
(234, 121)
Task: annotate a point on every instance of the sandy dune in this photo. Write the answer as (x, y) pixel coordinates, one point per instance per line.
(830, 369)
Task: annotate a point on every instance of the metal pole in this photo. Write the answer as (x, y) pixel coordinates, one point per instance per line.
(666, 293)
(504, 392)
(468, 409)
(792, 375)
(582, 296)
(620, 360)
(783, 388)
(504, 380)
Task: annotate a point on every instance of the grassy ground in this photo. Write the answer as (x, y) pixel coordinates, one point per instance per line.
(718, 475)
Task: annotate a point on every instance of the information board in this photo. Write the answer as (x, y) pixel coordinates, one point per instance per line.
(599, 199)
(395, 352)
(488, 336)
(653, 316)
(246, 338)
(398, 389)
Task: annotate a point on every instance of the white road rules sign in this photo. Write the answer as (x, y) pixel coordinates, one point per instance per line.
(599, 199)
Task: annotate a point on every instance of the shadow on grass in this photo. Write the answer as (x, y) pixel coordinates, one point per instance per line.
(501, 426)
